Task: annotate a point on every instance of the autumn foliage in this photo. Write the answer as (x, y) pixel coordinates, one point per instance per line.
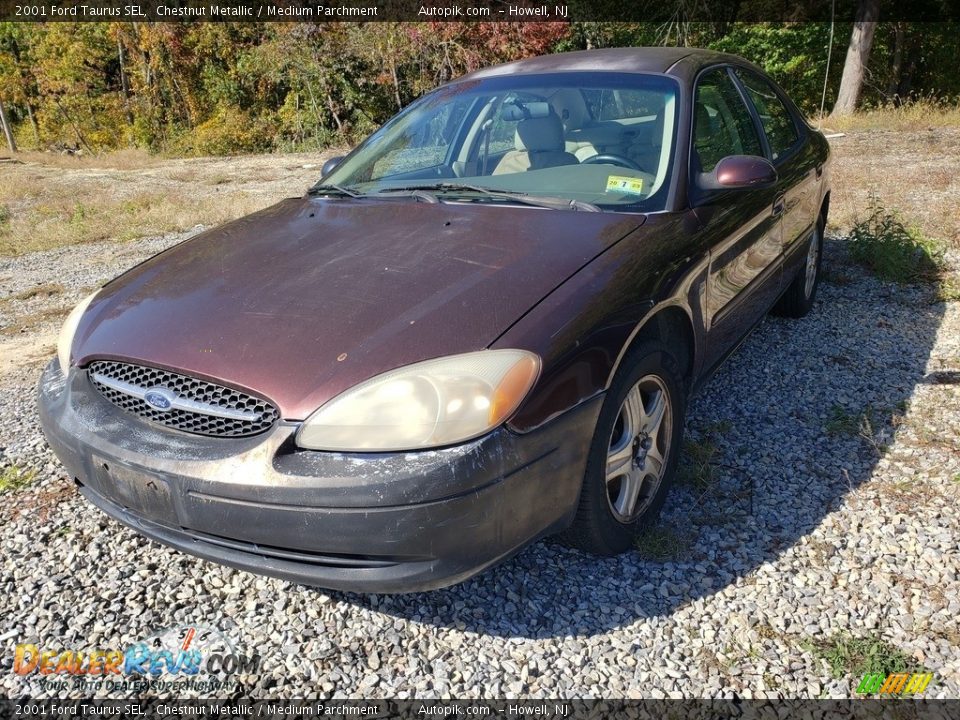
(219, 88)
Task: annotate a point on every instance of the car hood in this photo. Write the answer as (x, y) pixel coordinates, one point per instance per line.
(302, 300)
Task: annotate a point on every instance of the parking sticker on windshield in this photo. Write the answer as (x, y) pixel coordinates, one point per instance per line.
(625, 185)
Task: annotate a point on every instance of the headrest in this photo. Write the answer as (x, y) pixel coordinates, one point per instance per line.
(570, 107)
(539, 134)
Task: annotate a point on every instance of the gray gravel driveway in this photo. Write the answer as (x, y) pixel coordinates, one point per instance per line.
(818, 498)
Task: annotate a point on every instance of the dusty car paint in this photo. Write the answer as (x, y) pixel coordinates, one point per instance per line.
(311, 296)
(314, 295)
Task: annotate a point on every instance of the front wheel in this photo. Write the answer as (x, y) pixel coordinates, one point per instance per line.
(634, 453)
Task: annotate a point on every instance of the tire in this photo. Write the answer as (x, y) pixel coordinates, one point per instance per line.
(800, 295)
(606, 523)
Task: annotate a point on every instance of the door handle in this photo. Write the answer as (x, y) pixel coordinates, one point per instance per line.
(779, 205)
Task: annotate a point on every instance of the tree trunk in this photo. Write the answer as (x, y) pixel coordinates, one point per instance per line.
(81, 140)
(33, 124)
(861, 40)
(124, 85)
(7, 129)
(896, 64)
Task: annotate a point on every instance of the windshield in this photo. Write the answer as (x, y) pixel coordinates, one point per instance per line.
(598, 139)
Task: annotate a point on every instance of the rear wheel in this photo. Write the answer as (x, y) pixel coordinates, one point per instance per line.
(798, 299)
(634, 452)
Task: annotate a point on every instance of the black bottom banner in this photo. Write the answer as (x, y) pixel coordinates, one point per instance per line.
(151, 709)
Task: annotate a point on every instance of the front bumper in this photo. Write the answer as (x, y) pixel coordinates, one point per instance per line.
(367, 522)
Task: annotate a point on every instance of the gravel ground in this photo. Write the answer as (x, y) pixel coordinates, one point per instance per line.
(819, 491)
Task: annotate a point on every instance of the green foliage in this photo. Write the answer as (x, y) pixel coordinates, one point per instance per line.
(697, 467)
(854, 657)
(14, 478)
(663, 544)
(229, 130)
(794, 54)
(894, 251)
(4, 217)
(842, 422)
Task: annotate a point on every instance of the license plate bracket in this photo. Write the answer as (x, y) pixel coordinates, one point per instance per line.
(138, 490)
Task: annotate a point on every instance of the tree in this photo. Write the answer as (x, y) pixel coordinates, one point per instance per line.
(858, 53)
(7, 130)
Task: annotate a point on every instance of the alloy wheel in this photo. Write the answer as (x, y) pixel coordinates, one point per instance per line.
(639, 445)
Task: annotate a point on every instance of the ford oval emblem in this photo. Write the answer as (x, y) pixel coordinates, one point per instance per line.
(159, 398)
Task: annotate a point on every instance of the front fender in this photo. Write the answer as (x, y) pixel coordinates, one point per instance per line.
(583, 329)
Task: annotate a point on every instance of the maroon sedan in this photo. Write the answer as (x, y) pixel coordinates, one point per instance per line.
(480, 328)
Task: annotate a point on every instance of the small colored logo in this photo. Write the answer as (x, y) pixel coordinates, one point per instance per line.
(159, 398)
(902, 684)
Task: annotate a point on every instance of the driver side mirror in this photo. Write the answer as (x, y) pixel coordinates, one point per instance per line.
(739, 172)
(330, 164)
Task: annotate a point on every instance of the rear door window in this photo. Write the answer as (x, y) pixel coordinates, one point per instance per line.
(778, 124)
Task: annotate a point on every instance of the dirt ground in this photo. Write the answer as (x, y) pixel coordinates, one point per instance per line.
(916, 172)
(49, 200)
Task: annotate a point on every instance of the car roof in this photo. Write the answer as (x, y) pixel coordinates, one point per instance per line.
(682, 63)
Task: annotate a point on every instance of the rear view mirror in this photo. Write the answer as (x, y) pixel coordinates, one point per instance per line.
(513, 111)
(330, 164)
(738, 172)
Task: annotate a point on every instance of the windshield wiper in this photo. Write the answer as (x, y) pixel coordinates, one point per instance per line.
(544, 201)
(331, 189)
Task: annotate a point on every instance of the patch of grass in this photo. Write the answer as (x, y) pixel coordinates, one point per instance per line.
(24, 323)
(14, 478)
(920, 114)
(835, 277)
(45, 290)
(948, 291)
(696, 467)
(842, 422)
(892, 250)
(48, 220)
(663, 544)
(128, 159)
(4, 217)
(766, 631)
(853, 657)
(868, 424)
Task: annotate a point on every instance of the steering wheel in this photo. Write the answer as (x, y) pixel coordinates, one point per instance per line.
(611, 159)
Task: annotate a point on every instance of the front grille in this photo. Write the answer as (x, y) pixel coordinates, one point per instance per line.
(196, 406)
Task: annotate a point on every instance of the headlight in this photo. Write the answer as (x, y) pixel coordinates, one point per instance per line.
(428, 404)
(65, 341)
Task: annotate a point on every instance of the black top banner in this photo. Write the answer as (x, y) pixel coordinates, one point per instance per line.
(655, 11)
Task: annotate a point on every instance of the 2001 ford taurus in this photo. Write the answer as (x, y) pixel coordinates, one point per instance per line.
(480, 328)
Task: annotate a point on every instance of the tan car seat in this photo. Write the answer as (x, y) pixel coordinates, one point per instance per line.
(645, 144)
(572, 110)
(539, 144)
